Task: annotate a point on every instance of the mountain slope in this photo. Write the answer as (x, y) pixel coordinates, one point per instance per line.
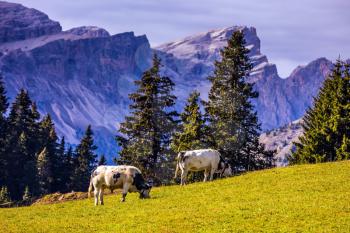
(281, 140)
(81, 76)
(79, 82)
(281, 101)
(84, 75)
(20, 23)
(307, 198)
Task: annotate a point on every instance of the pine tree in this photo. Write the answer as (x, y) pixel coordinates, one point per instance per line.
(48, 140)
(3, 107)
(4, 195)
(64, 172)
(192, 130)
(22, 145)
(234, 126)
(44, 171)
(102, 160)
(26, 195)
(85, 161)
(327, 123)
(146, 133)
(343, 152)
(70, 168)
(3, 129)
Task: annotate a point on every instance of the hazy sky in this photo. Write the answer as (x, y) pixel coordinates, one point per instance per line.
(292, 32)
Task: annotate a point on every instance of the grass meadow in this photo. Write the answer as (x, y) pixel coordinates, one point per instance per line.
(305, 198)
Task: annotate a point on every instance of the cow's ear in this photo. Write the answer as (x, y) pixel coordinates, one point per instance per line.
(150, 183)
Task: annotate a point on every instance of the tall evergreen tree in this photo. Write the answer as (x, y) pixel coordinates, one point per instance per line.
(70, 168)
(63, 172)
(327, 123)
(343, 152)
(85, 161)
(48, 140)
(3, 106)
(146, 133)
(45, 174)
(4, 195)
(22, 145)
(3, 129)
(3, 101)
(192, 129)
(27, 194)
(233, 122)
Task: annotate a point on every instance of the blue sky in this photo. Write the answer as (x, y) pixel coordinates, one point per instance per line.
(292, 32)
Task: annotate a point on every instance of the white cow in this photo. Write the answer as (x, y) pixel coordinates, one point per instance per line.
(128, 178)
(207, 160)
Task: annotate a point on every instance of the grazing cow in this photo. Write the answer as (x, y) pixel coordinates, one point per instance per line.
(128, 178)
(207, 160)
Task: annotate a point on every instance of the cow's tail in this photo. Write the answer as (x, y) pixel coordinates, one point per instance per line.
(179, 158)
(91, 187)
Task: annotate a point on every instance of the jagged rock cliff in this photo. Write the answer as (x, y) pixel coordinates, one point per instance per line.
(83, 76)
(280, 100)
(281, 140)
(20, 23)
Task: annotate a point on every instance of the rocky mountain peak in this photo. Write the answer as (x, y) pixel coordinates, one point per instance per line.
(89, 31)
(208, 44)
(314, 66)
(89, 74)
(20, 23)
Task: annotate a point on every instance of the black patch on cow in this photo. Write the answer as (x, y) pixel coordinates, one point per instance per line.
(139, 182)
(116, 176)
(181, 156)
(221, 161)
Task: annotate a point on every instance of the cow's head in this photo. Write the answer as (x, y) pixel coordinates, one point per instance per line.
(224, 168)
(227, 170)
(145, 190)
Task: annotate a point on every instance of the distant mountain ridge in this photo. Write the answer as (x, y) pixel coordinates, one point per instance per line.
(281, 100)
(20, 23)
(84, 75)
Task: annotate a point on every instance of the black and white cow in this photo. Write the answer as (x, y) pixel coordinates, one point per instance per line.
(207, 160)
(128, 178)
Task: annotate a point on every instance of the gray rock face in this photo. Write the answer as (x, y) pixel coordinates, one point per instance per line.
(281, 140)
(280, 100)
(20, 23)
(89, 31)
(284, 100)
(80, 82)
(83, 76)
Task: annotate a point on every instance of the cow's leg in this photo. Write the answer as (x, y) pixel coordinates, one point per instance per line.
(96, 194)
(212, 171)
(126, 187)
(101, 196)
(206, 173)
(183, 176)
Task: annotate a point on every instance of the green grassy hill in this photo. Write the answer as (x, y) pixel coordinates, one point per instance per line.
(307, 198)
